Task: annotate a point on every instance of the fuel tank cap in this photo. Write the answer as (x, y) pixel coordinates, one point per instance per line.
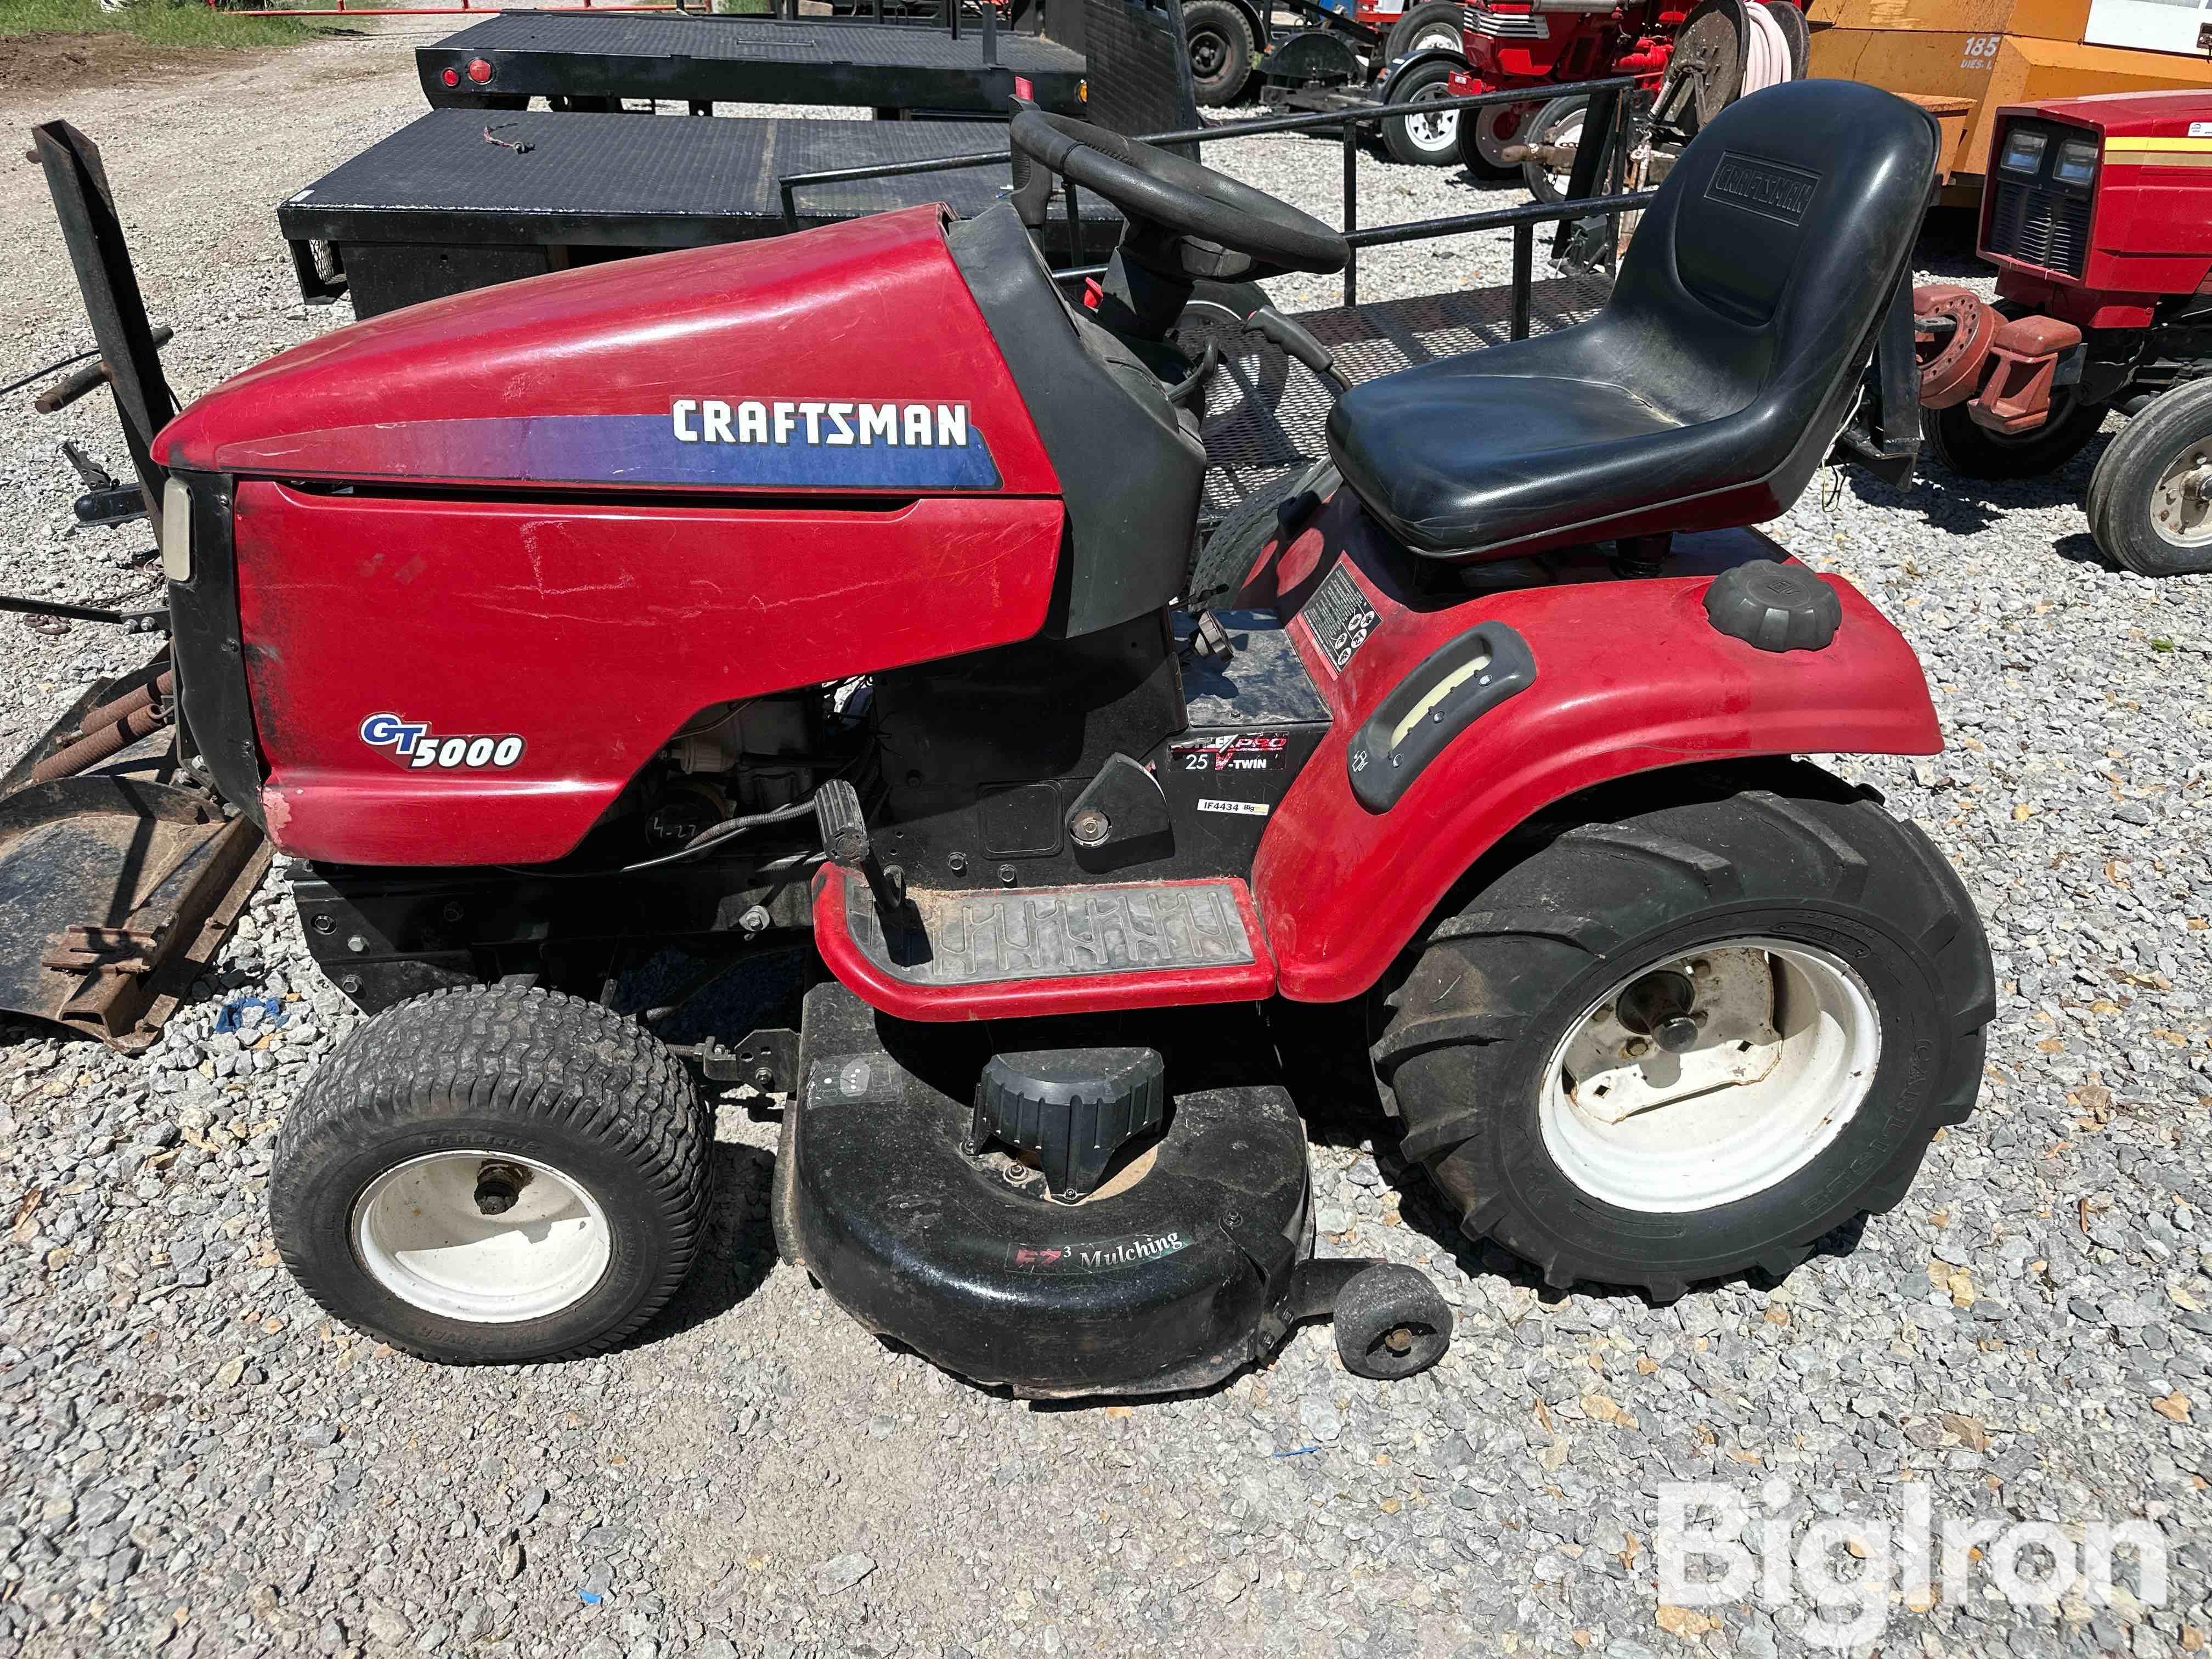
(1776, 607)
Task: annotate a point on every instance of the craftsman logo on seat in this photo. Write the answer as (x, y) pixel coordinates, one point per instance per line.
(1771, 188)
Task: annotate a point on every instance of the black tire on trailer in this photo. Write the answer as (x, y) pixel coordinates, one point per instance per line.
(2150, 493)
(1423, 140)
(1217, 569)
(1972, 451)
(1775, 883)
(1433, 23)
(494, 1176)
(1220, 38)
(1547, 127)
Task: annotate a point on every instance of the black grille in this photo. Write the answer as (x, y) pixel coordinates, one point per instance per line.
(2040, 227)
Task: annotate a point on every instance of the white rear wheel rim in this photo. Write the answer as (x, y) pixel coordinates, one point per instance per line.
(1770, 1080)
(421, 1234)
(1434, 132)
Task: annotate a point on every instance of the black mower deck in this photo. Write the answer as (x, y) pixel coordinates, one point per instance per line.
(748, 60)
(459, 199)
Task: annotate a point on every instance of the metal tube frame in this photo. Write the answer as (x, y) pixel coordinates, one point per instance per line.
(1583, 201)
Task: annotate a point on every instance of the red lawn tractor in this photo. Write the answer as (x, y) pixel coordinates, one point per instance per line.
(590, 639)
(1535, 44)
(2097, 213)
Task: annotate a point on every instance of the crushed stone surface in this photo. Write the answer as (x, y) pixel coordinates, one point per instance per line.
(195, 1461)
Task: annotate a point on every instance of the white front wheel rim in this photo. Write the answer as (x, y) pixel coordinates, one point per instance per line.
(1782, 1061)
(422, 1234)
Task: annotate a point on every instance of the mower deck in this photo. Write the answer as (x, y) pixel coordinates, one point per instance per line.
(745, 60)
(461, 199)
(1183, 1266)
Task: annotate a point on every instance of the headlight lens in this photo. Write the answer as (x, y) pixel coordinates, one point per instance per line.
(2077, 162)
(2023, 150)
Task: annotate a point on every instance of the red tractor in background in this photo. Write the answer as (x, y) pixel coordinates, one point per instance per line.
(2098, 215)
(1537, 44)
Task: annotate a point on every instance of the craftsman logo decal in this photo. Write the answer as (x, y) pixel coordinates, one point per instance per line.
(1096, 1254)
(417, 747)
(1235, 752)
(1339, 616)
(821, 440)
(1766, 187)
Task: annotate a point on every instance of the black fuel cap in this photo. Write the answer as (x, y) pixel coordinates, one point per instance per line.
(1074, 1108)
(1776, 607)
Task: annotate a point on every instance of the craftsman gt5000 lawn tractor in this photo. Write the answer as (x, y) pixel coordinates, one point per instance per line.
(835, 585)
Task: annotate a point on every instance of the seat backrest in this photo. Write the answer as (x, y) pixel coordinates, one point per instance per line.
(1774, 246)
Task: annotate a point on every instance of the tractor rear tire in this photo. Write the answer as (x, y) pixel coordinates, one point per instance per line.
(1972, 451)
(1219, 38)
(1424, 141)
(397, 1168)
(2146, 503)
(1222, 564)
(1792, 906)
(1431, 23)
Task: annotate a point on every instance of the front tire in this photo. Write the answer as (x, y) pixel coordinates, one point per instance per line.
(1426, 141)
(1972, 451)
(1559, 121)
(2150, 493)
(1220, 38)
(489, 1175)
(1779, 902)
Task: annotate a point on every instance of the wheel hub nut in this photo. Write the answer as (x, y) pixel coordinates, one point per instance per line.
(1398, 1342)
(1659, 1006)
(499, 1186)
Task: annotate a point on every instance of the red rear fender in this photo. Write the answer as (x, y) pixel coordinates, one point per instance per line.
(1630, 677)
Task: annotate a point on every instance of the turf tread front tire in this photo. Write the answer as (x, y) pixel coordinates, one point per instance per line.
(517, 1067)
(1778, 849)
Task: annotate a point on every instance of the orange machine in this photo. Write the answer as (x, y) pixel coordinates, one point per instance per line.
(1962, 59)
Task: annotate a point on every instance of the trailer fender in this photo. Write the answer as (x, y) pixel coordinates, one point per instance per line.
(1499, 707)
(1394, 72)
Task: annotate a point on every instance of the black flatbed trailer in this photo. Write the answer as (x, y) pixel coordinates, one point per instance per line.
(459, 198)
(593, 59)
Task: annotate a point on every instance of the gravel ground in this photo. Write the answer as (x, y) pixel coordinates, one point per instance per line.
(196, 1461)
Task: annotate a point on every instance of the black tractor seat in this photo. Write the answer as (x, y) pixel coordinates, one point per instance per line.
(1716, 377)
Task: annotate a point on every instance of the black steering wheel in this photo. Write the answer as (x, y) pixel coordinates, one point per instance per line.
(1170, 204)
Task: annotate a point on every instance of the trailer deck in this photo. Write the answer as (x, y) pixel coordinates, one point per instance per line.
(461, 198)
(595, 59)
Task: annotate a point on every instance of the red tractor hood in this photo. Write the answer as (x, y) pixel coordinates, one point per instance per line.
(851, 358)
(2131, 114)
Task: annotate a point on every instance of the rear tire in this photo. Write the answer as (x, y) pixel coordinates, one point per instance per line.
(1483, 133)
(1432, 23)
(2158, 463)
(1550, 124)
(397, 1169)
(1220, 38)
(1877, 987)
(1430, 140)
(1972, 451)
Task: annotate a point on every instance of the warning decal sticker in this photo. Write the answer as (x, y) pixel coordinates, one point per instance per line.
(1339, 616)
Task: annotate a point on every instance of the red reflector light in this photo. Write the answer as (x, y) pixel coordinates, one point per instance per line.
(479, 70)
(453, 77)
